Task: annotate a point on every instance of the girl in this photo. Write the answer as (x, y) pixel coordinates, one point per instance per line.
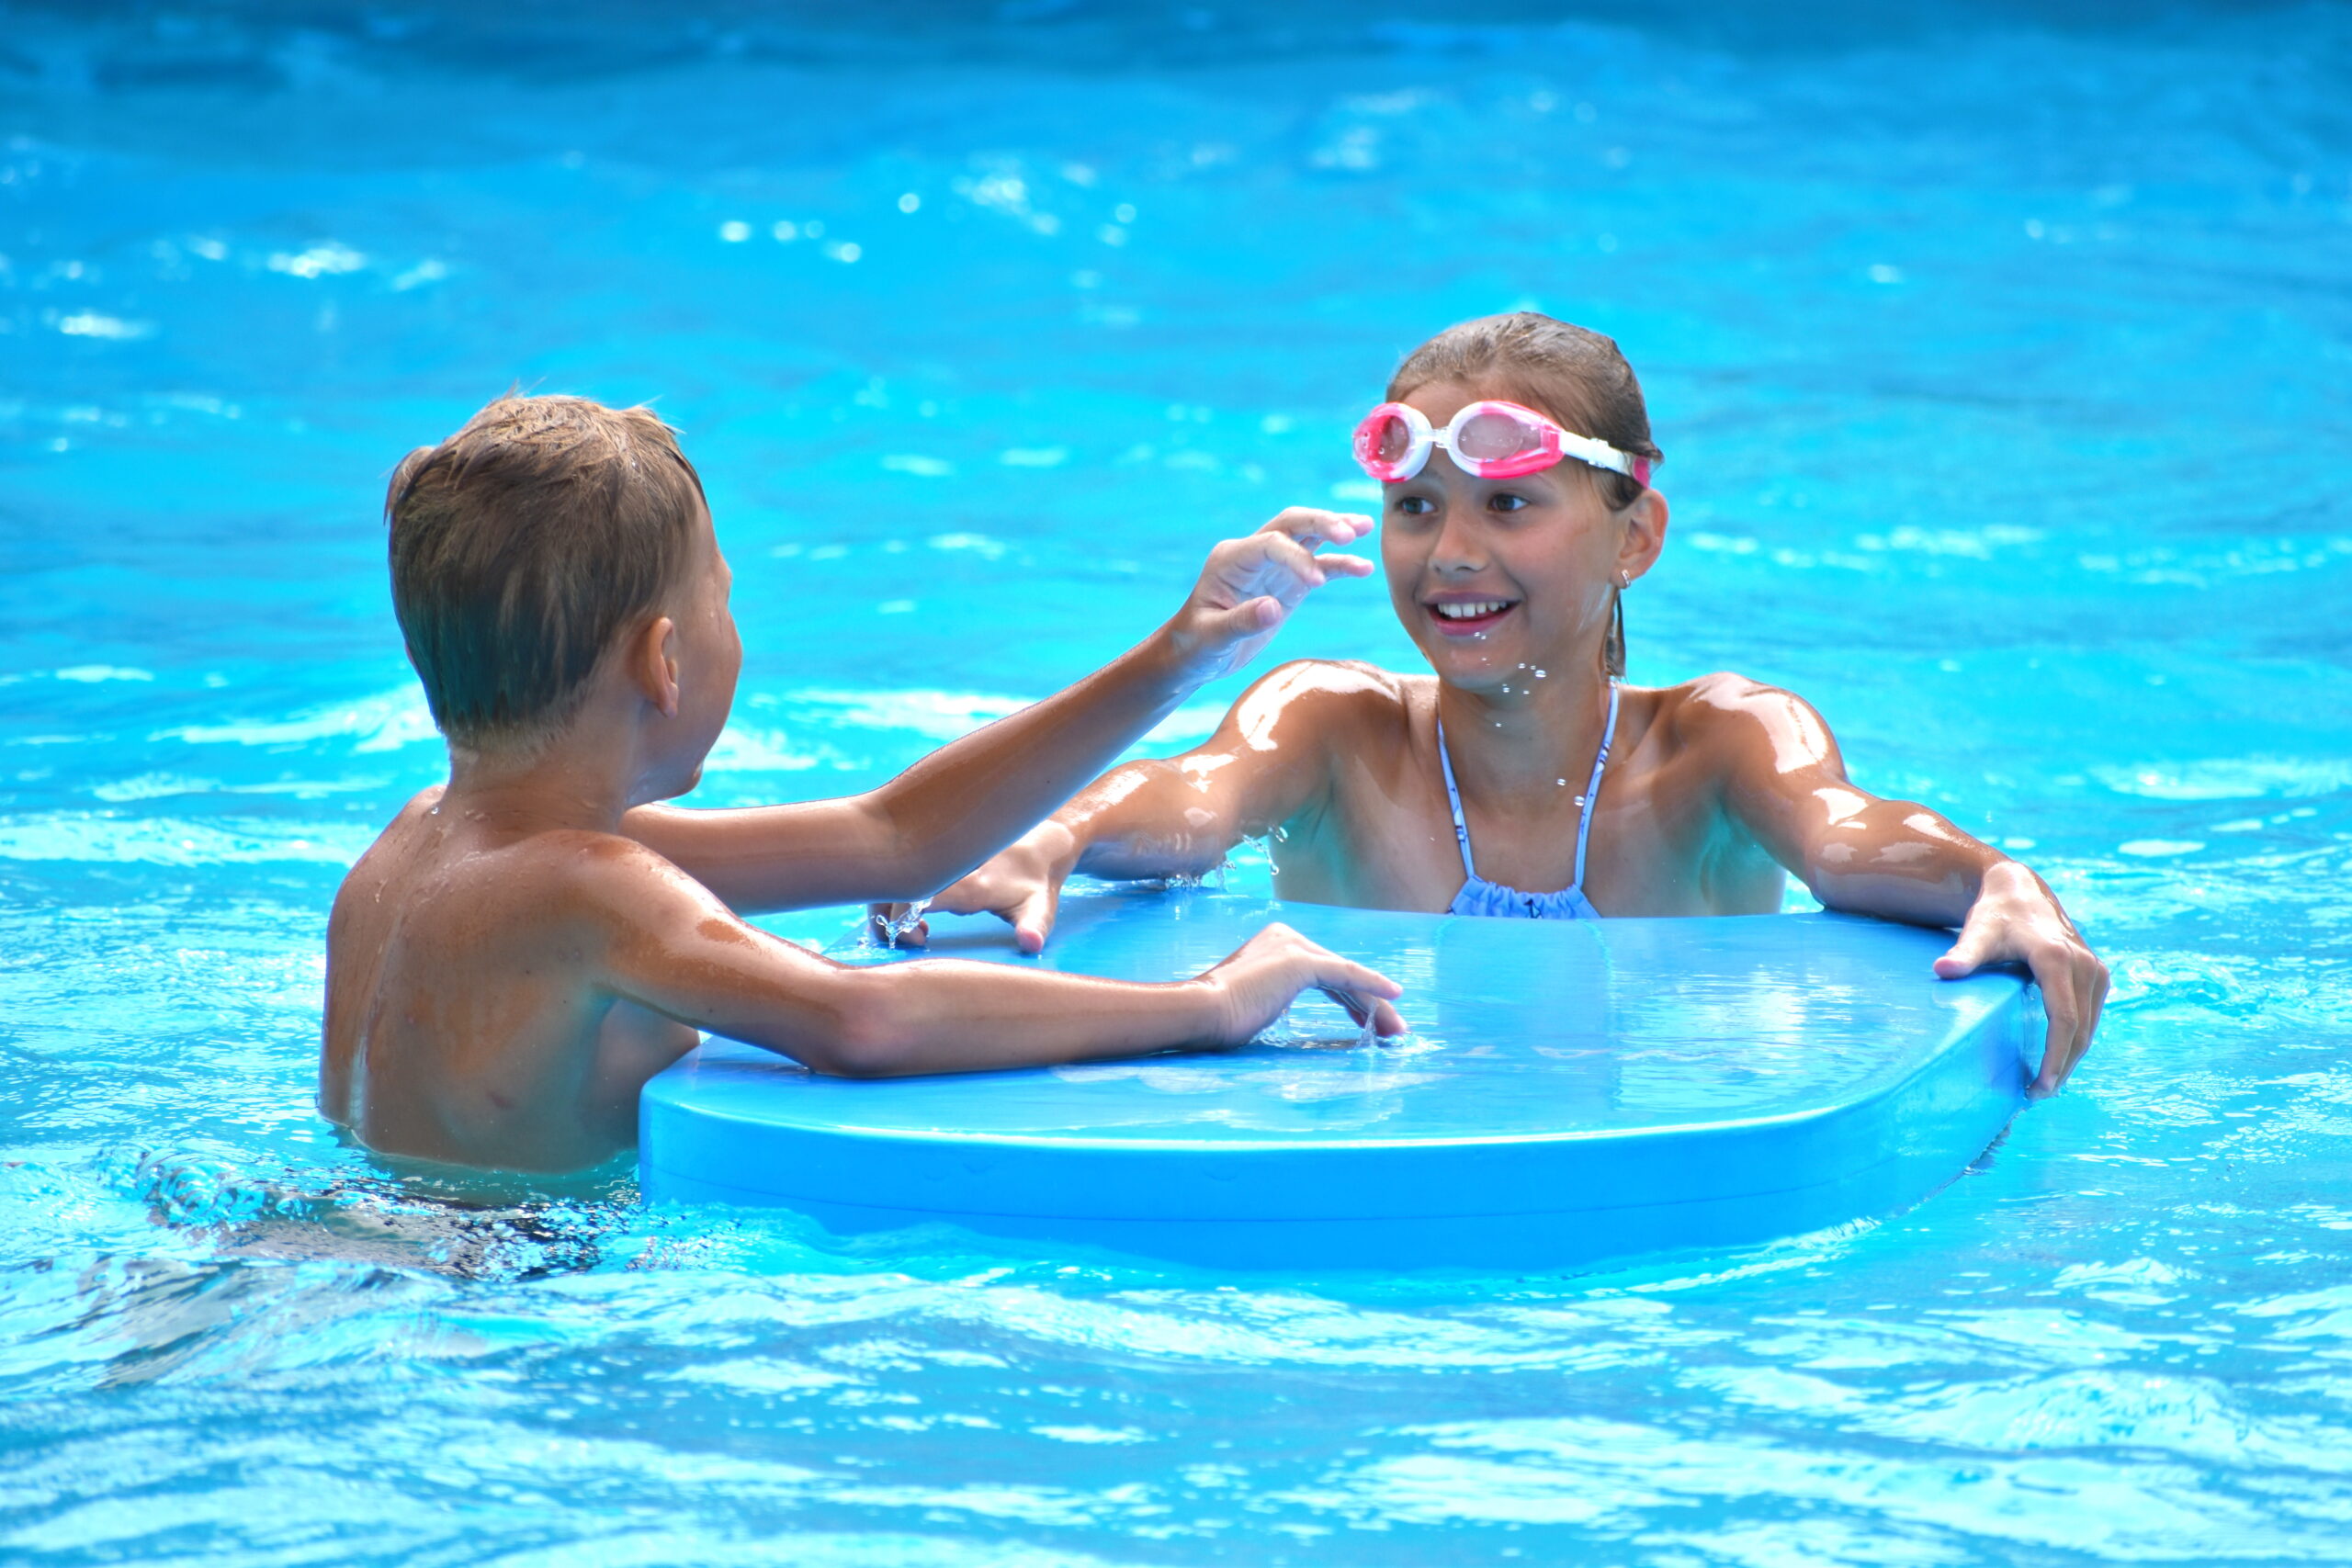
(1522, 778)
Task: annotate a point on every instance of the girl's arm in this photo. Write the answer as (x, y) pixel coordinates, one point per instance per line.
(955, 808)
(1268, 763)
(1787, 785)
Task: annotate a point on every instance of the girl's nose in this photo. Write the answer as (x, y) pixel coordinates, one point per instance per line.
(1456, 547)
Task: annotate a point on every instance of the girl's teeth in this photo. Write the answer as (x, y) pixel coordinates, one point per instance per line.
(1471, 612)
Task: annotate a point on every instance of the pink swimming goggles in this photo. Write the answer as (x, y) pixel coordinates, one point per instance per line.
(1491, 440)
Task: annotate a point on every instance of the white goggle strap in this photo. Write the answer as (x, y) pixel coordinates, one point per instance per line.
(1599, 453)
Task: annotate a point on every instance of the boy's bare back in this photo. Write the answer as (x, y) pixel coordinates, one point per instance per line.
(466, 1016)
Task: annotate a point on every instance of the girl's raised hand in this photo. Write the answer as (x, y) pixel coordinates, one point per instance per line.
(1251, 585)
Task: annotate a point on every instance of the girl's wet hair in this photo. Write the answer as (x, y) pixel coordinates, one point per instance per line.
(1579, 378)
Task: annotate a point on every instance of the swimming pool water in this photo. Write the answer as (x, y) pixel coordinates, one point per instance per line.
(2003, 361)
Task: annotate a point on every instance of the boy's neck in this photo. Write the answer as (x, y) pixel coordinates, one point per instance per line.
(573, 779)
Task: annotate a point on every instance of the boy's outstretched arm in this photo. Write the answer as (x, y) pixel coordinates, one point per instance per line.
(952, 811)
(1267, 762)
(671, 946)
(1899, 861)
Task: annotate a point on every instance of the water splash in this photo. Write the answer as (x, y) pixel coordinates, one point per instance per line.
(890, 928)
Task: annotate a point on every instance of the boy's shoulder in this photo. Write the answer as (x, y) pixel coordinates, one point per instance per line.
(592, 884)
(540, 876)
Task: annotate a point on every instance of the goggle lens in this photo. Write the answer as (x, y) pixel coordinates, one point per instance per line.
(1493, 436)
(1391, 439)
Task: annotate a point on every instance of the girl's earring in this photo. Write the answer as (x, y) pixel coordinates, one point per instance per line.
(1612, 652)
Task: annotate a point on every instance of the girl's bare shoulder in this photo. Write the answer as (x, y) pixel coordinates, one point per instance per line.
(1325, 700)
(1730, 714)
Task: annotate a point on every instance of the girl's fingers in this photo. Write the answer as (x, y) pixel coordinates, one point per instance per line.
(1033, 919)
(2090, 1000)
(2060, 1046)
(1971, 953)
(2097, 988)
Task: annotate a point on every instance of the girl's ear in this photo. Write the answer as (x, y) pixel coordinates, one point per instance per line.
(1644, 534)
(653, 665)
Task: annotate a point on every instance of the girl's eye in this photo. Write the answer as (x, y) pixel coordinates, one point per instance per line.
(1416, 505)
(1505, 501)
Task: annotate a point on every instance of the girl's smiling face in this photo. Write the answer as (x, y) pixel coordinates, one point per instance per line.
(1496, 577)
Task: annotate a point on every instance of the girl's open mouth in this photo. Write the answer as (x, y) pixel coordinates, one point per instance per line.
(1466, 618)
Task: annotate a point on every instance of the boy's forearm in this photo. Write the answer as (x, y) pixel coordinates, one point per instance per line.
(943, 1016)
(970, 798)
(935, 821)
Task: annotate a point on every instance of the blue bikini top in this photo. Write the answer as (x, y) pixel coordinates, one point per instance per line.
(1480, 897)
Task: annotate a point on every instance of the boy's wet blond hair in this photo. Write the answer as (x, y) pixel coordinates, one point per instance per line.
(522, 548)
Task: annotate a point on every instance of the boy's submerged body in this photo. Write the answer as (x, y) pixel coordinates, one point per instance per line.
(526, 946)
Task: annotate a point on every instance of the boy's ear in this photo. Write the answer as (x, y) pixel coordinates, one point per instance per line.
(653, 666)
(1644, 534)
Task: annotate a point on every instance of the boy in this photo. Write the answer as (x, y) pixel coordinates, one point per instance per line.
(524, 947)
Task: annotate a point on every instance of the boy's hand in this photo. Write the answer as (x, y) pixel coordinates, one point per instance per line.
(1021, 885)
(1265, 975)
(1246, 592)
(1251, 585)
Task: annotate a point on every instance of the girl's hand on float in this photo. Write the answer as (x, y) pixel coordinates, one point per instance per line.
(1251, 585)
(1265, 975)
(2016, 918)
(1021, 885)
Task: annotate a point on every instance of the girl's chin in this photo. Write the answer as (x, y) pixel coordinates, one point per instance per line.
(1494, 667)
(1473, 657)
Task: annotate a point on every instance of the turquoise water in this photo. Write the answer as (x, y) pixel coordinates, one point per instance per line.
(2002, 361)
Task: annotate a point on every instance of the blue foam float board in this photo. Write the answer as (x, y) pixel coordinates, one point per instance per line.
(1571, 1092)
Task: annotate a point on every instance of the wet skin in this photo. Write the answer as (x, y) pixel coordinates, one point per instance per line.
(526, 946)
(1716, 788)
